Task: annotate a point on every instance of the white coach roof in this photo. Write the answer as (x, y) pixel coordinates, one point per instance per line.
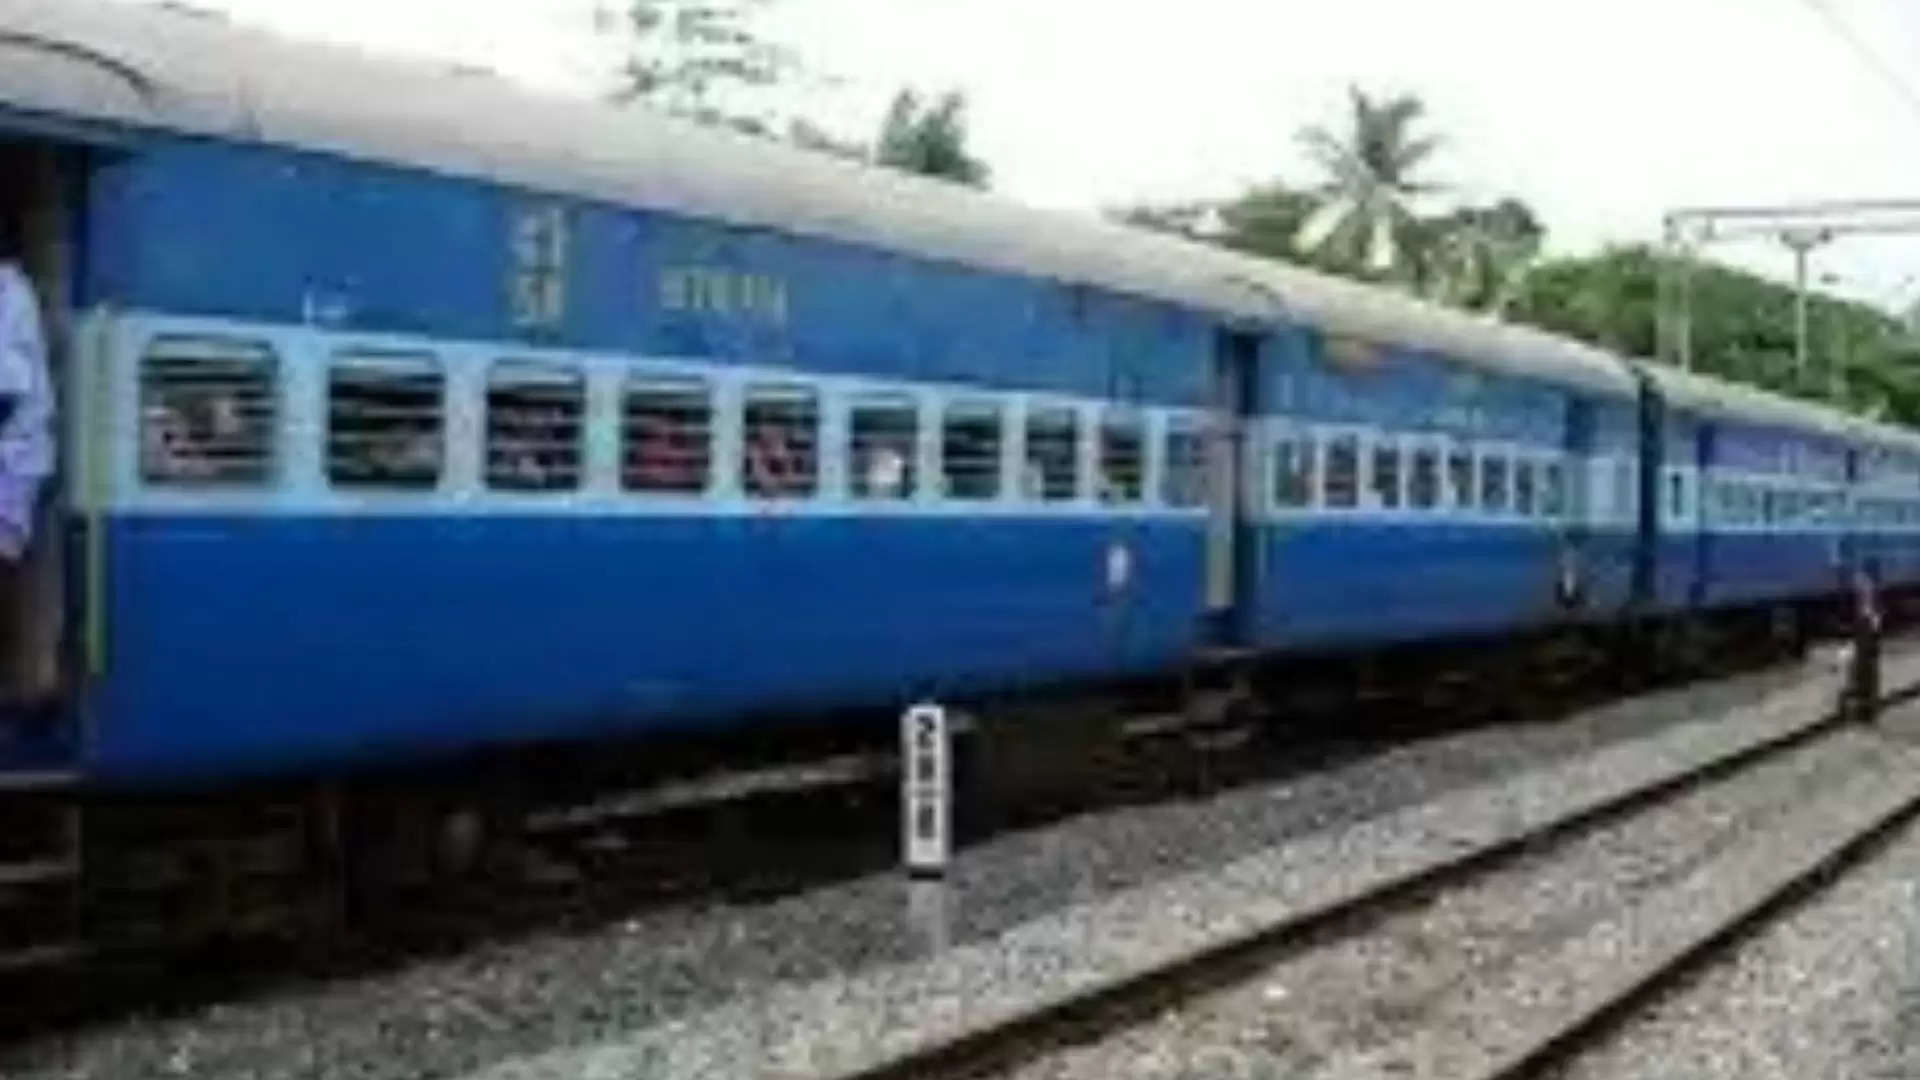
(169, 69)
(153, 67)
(1706, 395)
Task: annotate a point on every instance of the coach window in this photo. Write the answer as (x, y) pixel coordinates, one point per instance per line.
(1523, 487)
(384, 423)
(1122, 464)
(1343, 472)
(1493, 483)
(1676, 496)
(1386, 473)
(1423, 480)
(882, 438)
(666, 436)
(1053, 454)
(970, 450)
(1460, 478)
(533, 430)
(1553, 489)
(1183, 481)
(208, 411)
(780, 442)
(1293, 470)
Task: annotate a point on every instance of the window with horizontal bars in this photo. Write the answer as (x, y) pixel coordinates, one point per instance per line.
(1423, 479)
(385, 427)
(883, 439)
(666, 434)
(1493, 484)
(970, 437)
(533, 432)
(1122, 460)
(1553, 490)
(1460, 478)
(1293, 470)
(1342, 480)
(780, 442)
(1052, 472)
(208, 411)
(1183, 475)
(1386, 474)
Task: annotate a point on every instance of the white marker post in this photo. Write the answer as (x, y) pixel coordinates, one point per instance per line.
(926, 790)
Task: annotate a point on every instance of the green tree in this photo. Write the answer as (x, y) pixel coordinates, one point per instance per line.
(1365, 216)
(1860, 358)
(1477, 256)
(700, 59)
(929, 138)
(1263, 220)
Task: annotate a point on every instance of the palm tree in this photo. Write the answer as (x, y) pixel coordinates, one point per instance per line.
(1365, 211)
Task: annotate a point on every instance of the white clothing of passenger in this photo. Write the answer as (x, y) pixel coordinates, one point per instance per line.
(26, 438)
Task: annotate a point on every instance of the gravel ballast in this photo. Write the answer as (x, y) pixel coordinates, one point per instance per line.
(858, 1022)
(512, 1000)
(1432, 986)
(1830, 990)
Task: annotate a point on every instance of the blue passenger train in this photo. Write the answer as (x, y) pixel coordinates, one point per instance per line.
(407, 413)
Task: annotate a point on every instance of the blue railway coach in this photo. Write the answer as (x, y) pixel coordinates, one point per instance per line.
(407, 413)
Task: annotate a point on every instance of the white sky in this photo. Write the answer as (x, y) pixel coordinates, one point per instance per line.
(1600, 114)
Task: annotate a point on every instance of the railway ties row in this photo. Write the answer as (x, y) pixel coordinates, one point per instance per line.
(1765, 800)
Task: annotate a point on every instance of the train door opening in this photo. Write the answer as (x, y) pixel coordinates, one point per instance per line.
(37, 236)
(1231, 539)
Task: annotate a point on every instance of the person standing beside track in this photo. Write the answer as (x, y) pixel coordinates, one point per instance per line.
(1863, 676)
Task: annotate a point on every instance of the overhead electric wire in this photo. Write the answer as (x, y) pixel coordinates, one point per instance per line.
(1860, 48)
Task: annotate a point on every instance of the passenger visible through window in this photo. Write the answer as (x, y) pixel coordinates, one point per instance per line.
(1523, 488)
(780, 442)
(1053, 455)
(534, 414)
(1122, 460)
(970, 450)
(883, 436)
(208, 411)
(384, 421)
(667, 436)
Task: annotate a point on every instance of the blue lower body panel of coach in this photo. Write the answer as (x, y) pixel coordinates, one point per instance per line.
(255, 645)
(1757, 567)
(1341, 583)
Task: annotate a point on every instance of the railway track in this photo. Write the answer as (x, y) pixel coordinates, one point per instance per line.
(1453, 972)
(1623, 866)
(749, 835)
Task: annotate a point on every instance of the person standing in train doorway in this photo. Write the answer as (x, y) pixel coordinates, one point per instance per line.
(26, 460)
